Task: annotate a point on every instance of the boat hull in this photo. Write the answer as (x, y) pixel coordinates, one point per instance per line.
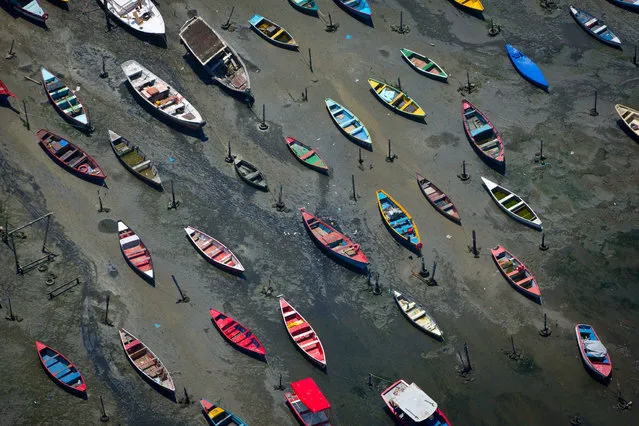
(601, 371)
(436, 333)
(45, 354)
(255, 22)
(218, 319)
(335, 110)
(85, 127)
(320, 360)
(535, 224)
(416, 245)
(237, 269)
(454, 217)
(312, 10)
(534, 295)
(407, 54)
(154, 183)
(526, 67)
(376, 85)
(496, 160)
(149, 277)
(156, 27)
(583, 18)
(362, 12)
(290, 142)
(39, 18)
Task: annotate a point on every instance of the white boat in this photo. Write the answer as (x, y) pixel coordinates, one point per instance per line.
(417, 315)
(629, 116)
(162, 97)
(140, 15)
(512, 204)
(411, 405)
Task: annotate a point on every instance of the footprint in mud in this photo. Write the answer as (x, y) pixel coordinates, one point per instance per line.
(108, 226)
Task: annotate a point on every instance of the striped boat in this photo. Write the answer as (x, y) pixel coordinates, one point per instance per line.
(60, 369)
(512, 204)
(396, 99)
(135, 252)
(303, 334)
(65, 101)
(398, 221)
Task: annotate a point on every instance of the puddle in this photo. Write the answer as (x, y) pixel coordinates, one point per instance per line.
(108, 226)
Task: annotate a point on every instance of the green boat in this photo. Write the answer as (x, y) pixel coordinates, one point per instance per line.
(424, 65)
(306, 155)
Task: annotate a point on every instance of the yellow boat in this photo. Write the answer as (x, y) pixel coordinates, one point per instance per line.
(396, 99)
(398, 221)
(474, 5)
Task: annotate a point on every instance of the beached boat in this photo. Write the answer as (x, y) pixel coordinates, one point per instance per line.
(250, 174)
(627, 4)
(349, 124)
(398, 221)
(411, 405)
(218, 416)
(135, 161)
(65, 101)
(237, 335)
(526, 67)
(438, 199)
(471, 5)
(396, 99)
(141, 16)
(424, 65)
(161, 97)
(358, 8)
(303, 334)
(516, 273)
(272, 32)
(30, 9)
(147, 363)
(334, 243)
(217, 57)
(308, 403)
(4, 90)
(512, 204)
(417, 315)
(482, 134)
(214, 251)
(593, 352)
(70, 156)
(595, 27)
(60, 369)
(629, 116)
(305, 6)
(306, 155)
(135, 252)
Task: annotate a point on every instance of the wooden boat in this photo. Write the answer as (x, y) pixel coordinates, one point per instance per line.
(308, 403)
(424, 65)
(135, 252)
(4, 90)
(526, 67)
(135, 161)
(411, 405)
(161, 97)
(250, 174)
(438, 199)
(471, 5)
(512, 204)
(305, 6)
(30, 9)
(147, 363)
(396, 99)
(65, 101)
(218, 416)
(358, 8)
(349, 124)
(272, 32)
(303, 334)
(334, 243)
(627, 4)
(60, 369)
(630, 117)
(70, 156)
(482, 134)
(595, 27)
(237, 335)
(217, 57)
(141, 16)
(306, 155)
(417, 315)
(516, 273)
(398, 221)
(593, 352)
(214, 251)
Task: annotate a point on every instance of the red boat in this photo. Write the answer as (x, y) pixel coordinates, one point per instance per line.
(308, 403)
(70, 156)
(60, 369)
(438, 199)
(237, 335)
(593, 352)
(4, 91)
(135, 252)
(483, 135)
(333, 242)
(214, 251)
(303, 334)
(412, 406)
(516, 273)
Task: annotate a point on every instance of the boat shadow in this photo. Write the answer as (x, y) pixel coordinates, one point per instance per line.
(625, 129)
(4, 102)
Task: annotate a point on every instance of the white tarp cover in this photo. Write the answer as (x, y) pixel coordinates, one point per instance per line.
(595, 349)
(415, 403)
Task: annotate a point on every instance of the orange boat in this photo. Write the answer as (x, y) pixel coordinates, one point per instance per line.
(135, 252)
(516, 273)
(303, 334)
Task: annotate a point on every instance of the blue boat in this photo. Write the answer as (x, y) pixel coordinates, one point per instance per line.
(349, 124)
(627, 4)
(398, 221)
(526, 67)
(595, 27)
(305, 6)
(357, 8)
(218, 416)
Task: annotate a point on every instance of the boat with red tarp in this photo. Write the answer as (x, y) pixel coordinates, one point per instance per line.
(303, 334)
(135, 252)
(237, 335)
(60, 369)
(412, 406)
(70, 156)
(4, 90)
(308, 403)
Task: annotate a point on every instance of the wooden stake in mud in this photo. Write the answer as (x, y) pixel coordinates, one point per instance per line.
(634, 60)
(378, 290)
(12, 55)
(279, 387)
(310, 59)
(399, 83)
(227, 24)
(543, 246)
(463, 176)
(26, 116)
(391, 157)
(183, 298)
(229, 156)
(106, 315)
(106, 16)
(104, 73)
(280, 206)
(263, 125)
(469, 366)
(423, 271)
(593, 111)
(545, 332)
(360, 160)
(474, 250)
(468, 79)
(173, 204)
(432, 277)
(354, 195)
(104, 418)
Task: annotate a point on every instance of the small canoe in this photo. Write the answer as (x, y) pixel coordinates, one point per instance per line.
(237, 335)
(305, 6)
(161, 97)
(135, 161)
(308, 403)
(349, 124)
(30, 9)
(398, 221)
(417, 315)
(410, 405)
(482, 134)
(135, 252)
(272, 32)
(438, 199)
(630, 117)
(526, 67)
(214, 251)
(627, 4)
(4, 90)
(471, 5)
(595, 27)
(424, 65)
(250, 174)
(358, 8)
(218, 416)
(303, 334)
(141, 16)
(512, 204)
(516, 273)
(146, 363)
(306, 155)
(70, 156)
(334, 243)
(396, 99)
(593, 352)
(60, 369)
(65, 101)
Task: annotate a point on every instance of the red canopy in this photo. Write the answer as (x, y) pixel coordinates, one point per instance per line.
(310, 395)
(4, 91)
